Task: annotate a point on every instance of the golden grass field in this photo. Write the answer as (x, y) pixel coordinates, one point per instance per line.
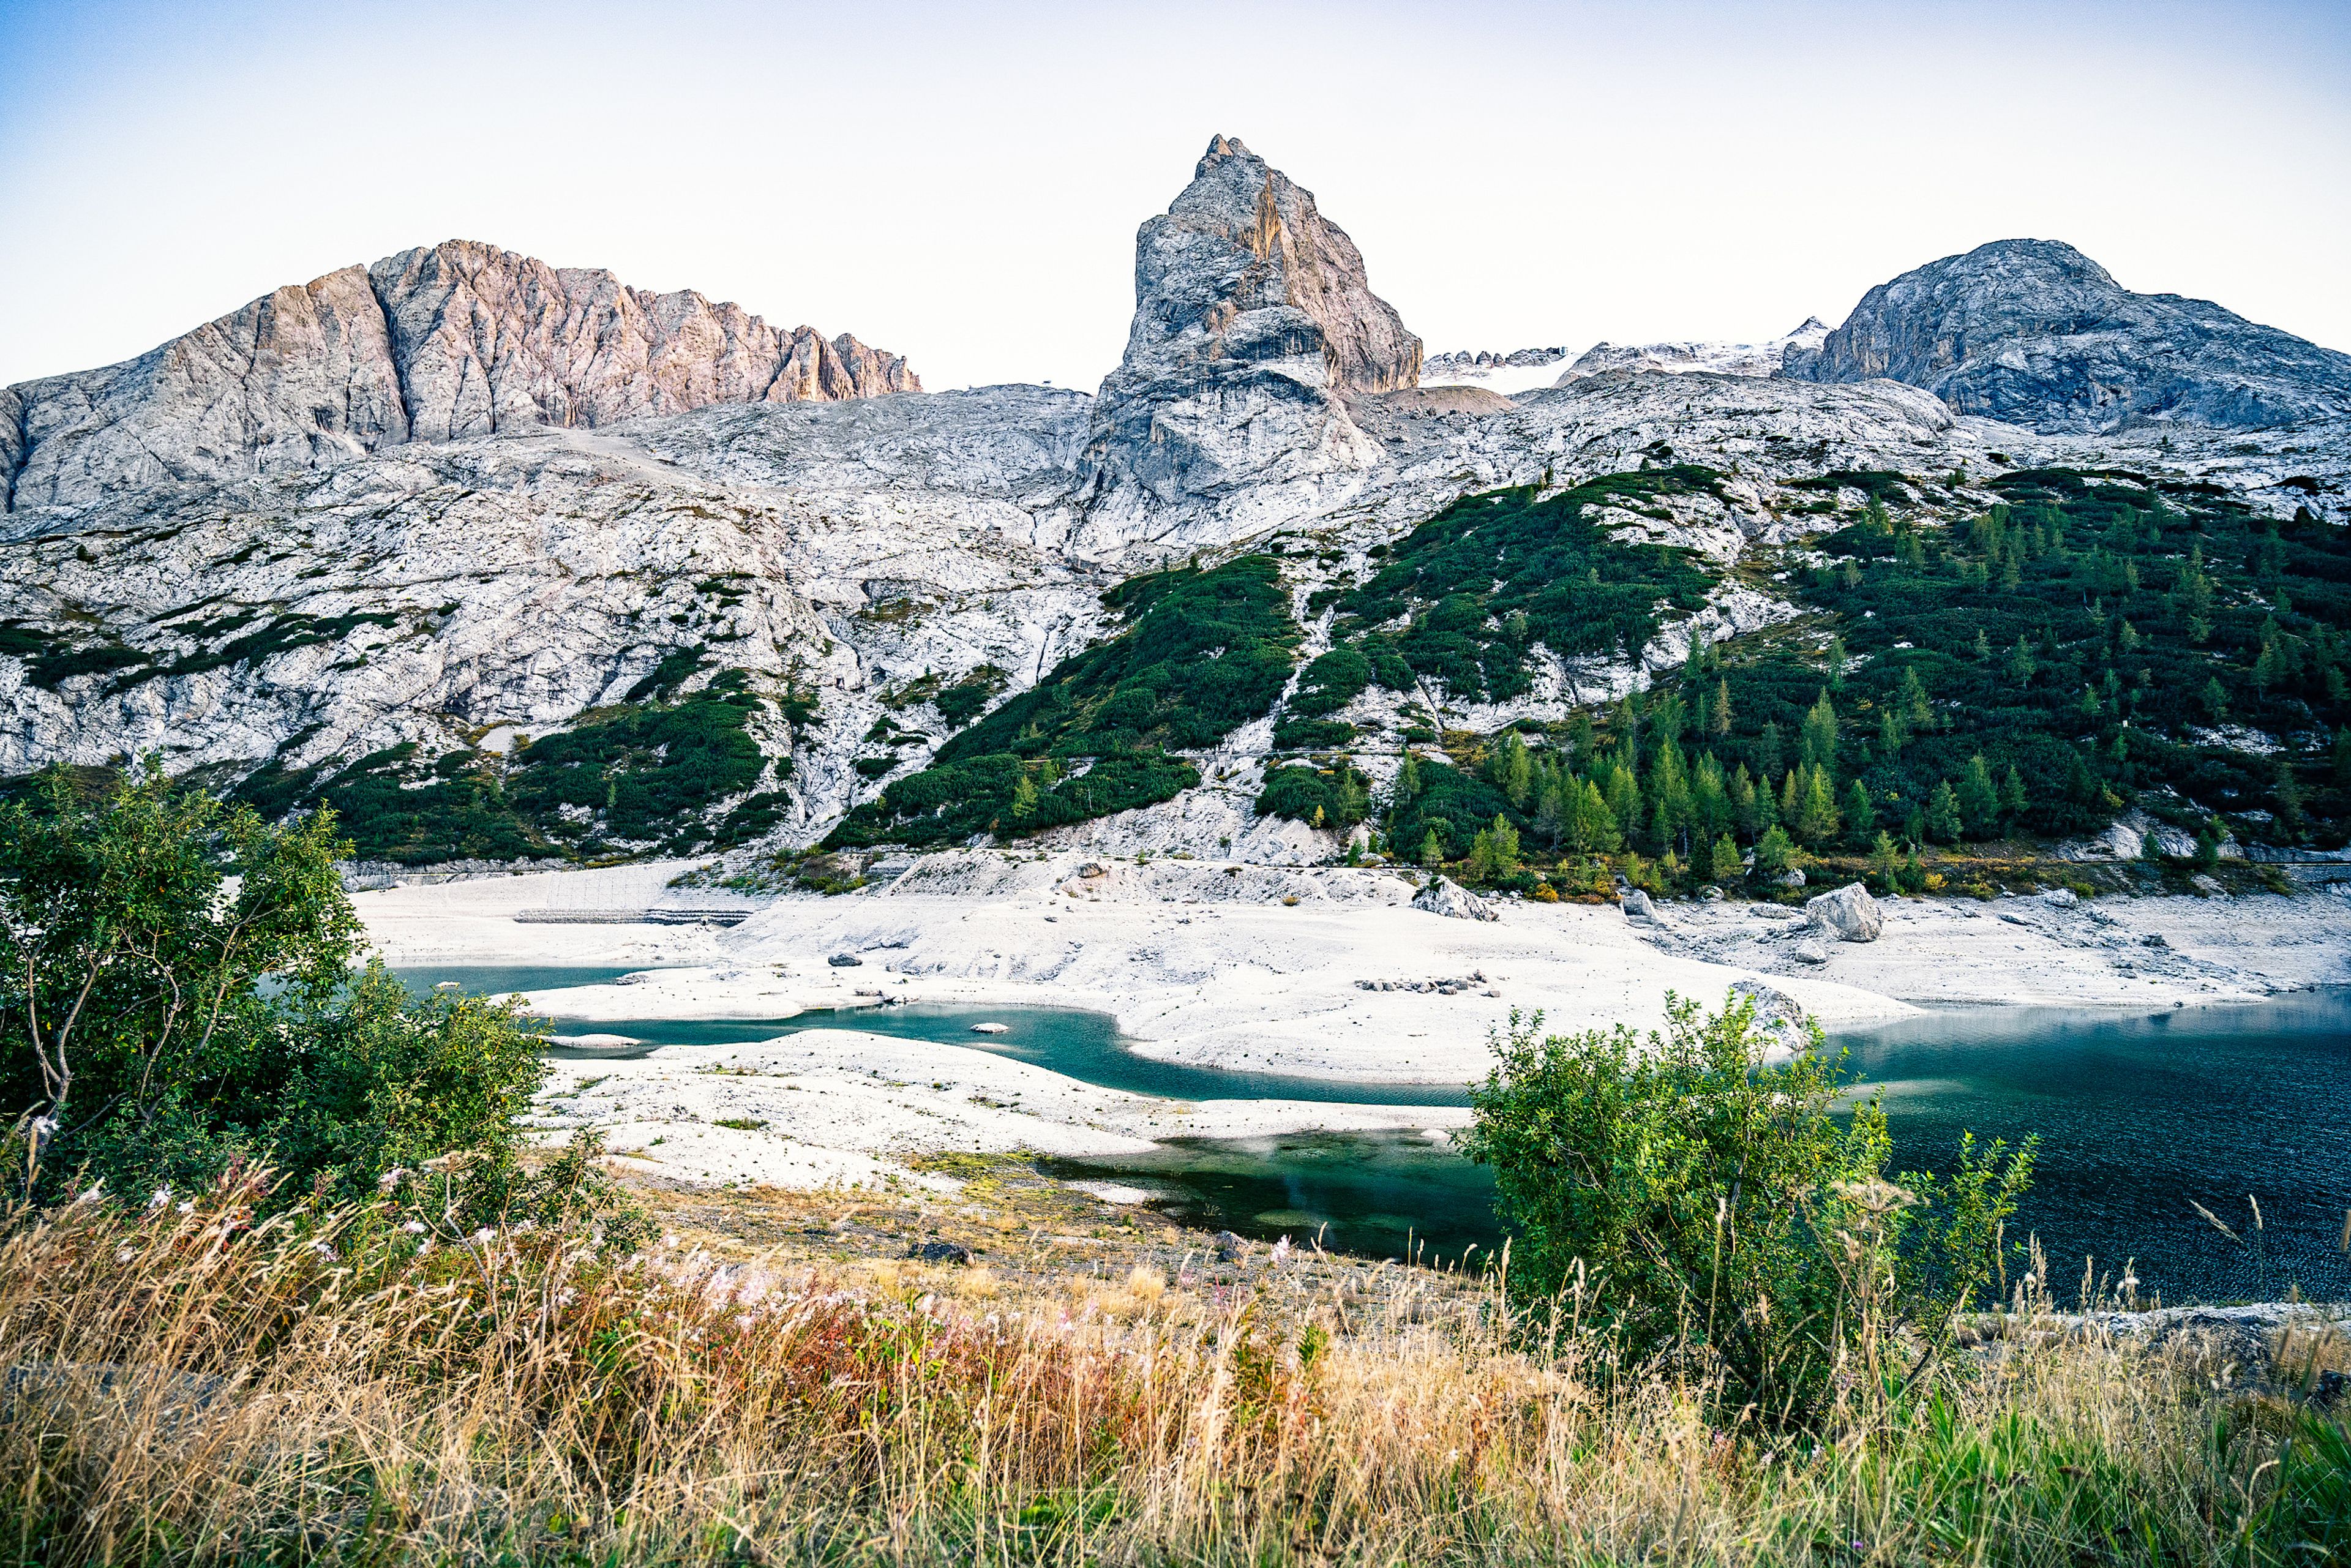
(774, 1383)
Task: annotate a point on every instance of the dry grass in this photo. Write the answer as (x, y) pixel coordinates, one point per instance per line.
(190, 1386)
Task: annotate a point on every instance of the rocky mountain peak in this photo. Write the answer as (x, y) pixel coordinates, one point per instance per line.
(438, 343)
(1254, 321)
(1243, 264)
(2034, 333)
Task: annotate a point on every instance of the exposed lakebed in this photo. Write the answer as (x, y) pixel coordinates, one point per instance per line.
(2141, 1116)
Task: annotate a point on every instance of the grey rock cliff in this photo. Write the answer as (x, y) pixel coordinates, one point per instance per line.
(433, 344)
(2035, 333)
(1253, 320)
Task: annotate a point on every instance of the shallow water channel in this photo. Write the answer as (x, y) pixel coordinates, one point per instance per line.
(2141, 1115)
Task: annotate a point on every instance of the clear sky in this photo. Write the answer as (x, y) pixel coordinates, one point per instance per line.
(961, 183)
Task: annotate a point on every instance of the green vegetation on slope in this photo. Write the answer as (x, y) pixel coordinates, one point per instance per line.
(1207, 652)
(623, 778)
(1484, 580)
(2078, 646)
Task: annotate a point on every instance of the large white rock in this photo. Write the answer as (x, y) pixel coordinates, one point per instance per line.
(1448, 897)
(1848, 913)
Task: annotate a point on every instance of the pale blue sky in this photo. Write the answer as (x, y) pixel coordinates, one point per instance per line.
(962, 184)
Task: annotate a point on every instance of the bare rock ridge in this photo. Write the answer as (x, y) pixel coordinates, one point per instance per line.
(438, 343)
(2034, 333)
(1720, 359)
(1253, 321)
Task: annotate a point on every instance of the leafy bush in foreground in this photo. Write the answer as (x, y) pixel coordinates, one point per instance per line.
(159, 1025)
(1711, 1207)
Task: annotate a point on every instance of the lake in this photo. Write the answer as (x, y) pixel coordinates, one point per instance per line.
(2140, 1115)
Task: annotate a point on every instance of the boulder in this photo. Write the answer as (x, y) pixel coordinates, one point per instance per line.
(846, 961)
(1849, 914)
(1810, 952)
(1780, 1019)
(1638, 907)
(1791, 877)
(1448, 897)
(939, 1252)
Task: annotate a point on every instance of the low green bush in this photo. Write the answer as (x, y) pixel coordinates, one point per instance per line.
(1709, 1207)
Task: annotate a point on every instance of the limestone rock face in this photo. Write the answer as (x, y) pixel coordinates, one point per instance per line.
(2035, 333)
(1848, 913)
(1253, 321)
(434, 344)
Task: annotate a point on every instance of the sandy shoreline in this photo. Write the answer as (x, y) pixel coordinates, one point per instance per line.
(1241, 967)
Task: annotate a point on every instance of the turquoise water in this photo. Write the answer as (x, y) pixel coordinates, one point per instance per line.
(2140, 1115)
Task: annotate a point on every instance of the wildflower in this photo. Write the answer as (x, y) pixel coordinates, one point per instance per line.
(415, 1227)
(423, 1247)
(162, 1196)
(323, 1250)
(391, 1178)
(1281, 1251)
(187, 1206)
(482, 1238)
(123, 1255)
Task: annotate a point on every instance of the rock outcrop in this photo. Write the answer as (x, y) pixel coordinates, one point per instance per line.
(1254, 321)
(434, 344)
(2035, 333)
(1847, 913)
(1445, 896)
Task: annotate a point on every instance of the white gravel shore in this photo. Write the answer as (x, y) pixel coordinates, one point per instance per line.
(1243, 968)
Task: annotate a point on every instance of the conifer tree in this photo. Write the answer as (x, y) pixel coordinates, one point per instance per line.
(1860, 816)
(1592, 826)
(1744, 818)
(2012, 798)
(1979, 798)
(1816, 814)
(1885, 865)
(1943, 824)
(1820, 741)
(1722, 860)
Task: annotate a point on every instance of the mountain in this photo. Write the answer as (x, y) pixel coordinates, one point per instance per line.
(507, 562)
(1722, 359)
(2035, 333)
(433, 344)
(1254, 322)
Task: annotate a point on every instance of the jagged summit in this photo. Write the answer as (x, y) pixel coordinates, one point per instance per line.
(2034, 333)
(1278, 253)
(436, 343)
(1253, 321)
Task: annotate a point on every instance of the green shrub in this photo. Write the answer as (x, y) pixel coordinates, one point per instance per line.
(1702, 1205)
(1311, 734)
(1335, 797)
(161, 1024)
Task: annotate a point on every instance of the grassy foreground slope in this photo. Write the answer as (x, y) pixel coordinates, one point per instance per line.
(777, 1384)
